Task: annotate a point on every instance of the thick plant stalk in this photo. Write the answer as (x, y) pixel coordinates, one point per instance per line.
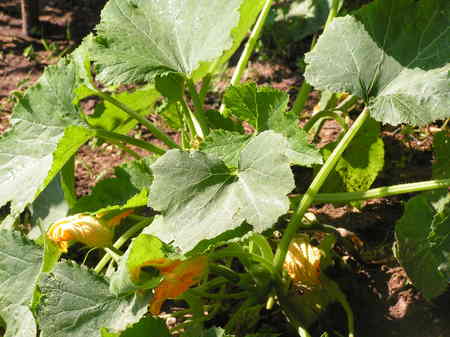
(30, 17)
(144, 121)
(250, 46)
(381, 192)
(314, 188)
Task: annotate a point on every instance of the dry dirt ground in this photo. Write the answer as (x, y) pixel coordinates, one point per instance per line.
(378, 289)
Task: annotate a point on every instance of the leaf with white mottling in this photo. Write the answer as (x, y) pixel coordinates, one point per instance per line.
(200, 197)
(139, 39)
(394, 54)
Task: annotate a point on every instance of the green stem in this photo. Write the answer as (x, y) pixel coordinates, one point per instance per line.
(301, 99)
(239, 295)
(124, 148)
(249, 46)
(328, 115)
(114, 253)
(235, 252)
(199, 115)
(205, 87)
(313, 189)
(225, 271)
(195, 96)
(131, 232)
(144, 121)
(192, 122)
(107, 135)
(304, 90)
(347, 103)
(379, 192)
(251, 43)
(333, 12)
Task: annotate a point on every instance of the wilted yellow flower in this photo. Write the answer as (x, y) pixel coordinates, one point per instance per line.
(83, 228)
(303, 262)
(179, 276)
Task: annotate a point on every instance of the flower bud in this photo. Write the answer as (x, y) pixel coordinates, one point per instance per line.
(83, 228)
(303, 262)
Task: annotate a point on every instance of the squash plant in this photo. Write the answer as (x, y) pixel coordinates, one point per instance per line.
(219, 195)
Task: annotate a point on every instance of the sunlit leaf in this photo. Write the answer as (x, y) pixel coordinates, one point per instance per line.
(392, 53)
(139, 39)
(82, 304)
(200, 197)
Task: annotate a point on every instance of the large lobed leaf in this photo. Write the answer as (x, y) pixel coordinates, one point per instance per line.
(77, 303)
(139, 39)
(200, 197)
(394, 54)
(423, 242)
(46, 131)
(248, 13)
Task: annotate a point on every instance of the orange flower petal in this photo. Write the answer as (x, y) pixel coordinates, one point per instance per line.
(177, 280)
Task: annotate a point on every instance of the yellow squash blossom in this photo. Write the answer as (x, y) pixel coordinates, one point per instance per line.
(303, 262)
(179, 276)
(87, 229)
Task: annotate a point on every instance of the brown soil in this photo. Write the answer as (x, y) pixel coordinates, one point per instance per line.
(378, 289)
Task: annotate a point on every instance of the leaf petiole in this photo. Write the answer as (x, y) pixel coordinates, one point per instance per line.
(249, 47)
(112, 136)
(144, 121)
(313, 189)
(379, 192)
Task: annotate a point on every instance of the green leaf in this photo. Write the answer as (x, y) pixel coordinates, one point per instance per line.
(156, 326)
(46, 130)
(20, 264)
(201, 198)
(171, 86)
(248, 13)
(81, 56)
(265, 109)
(130, 275)
(423, 242)
(361, 162)
(19, 321)
(302, 18)
(441, 149)
(109, 117)
(394, 54)
(128, 190)
(77, 303)
(48, 207)
(226, 146)
(217, 121)
(139, 39)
